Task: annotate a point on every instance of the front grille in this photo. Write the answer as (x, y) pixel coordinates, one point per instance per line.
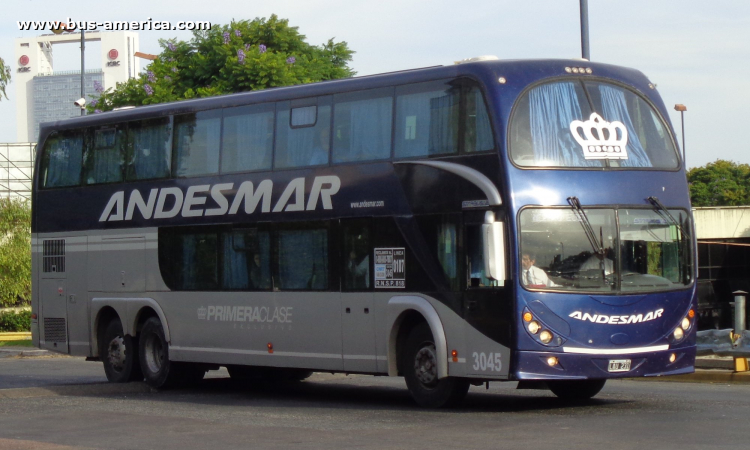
(54, 330)
(53, 256)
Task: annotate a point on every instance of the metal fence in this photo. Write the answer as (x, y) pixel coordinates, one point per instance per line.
(16, 169)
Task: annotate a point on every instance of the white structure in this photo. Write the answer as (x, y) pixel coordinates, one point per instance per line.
(16, 168)
(41, 99)
(722, 222)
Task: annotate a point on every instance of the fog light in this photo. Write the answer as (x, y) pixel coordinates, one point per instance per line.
(534, 327)
(545, 336)
(552, 361)
(685, 324)
(672, 358)
(678, 333)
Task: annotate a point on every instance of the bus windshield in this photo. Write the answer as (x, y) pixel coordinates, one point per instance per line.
(589, 125)
(633, 250)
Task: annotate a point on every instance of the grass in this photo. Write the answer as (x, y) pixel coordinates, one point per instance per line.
(21, 343)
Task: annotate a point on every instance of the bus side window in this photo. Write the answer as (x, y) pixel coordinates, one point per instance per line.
(197, 141)
(362, 125)
(475, 258)
(246, 260)
(302, 259)
(303, 133)
(188, 259)
(356, 251)
(61, 165)
(477, 128)
(427, 119)
(149, 149)
(247, 138)
(104, 155)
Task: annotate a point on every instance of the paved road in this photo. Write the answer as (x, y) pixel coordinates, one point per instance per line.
(62, 403)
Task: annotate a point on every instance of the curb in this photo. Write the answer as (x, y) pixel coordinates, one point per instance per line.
(16, 336)
(22, 351)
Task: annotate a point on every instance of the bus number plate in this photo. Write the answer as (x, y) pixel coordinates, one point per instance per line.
(619, 365)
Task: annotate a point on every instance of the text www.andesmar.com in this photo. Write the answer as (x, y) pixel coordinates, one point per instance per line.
(116, 25)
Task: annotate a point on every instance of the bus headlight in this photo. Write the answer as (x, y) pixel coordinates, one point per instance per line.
(685, 324)
(534, 327)
(678, 333)
(545, 336)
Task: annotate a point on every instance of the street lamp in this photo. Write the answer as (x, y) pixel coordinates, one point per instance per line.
(61, 28)
(585, 30)
(682, 108)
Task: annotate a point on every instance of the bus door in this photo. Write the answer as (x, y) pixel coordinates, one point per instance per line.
(62, 293)
(357, 313)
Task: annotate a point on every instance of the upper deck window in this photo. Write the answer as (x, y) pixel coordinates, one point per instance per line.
(362, 125)
(303, 133)
(61, 165)
(427, 118)
(197, 143)
(103, 158)
(592, 124)
(149, 149)
(247, 138)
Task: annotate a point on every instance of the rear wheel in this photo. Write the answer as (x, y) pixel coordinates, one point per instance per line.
(119, 353)
(575, 389)
(419, 365)
(158, 370)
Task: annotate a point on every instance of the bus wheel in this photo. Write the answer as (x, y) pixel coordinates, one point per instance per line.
(419, 366)
(575, 389)
(158, 370)
(119, 353)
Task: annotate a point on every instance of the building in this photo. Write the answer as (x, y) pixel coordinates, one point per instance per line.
(45, 95)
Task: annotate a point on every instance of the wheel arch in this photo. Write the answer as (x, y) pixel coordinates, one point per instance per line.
(131, 312)
(405, 312)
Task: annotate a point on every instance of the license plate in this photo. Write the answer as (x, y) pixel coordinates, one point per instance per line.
(619, 365)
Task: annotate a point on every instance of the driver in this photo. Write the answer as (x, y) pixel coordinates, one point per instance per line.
(532, 275)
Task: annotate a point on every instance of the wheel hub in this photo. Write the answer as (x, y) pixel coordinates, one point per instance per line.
(154, 354)
(116, 353)
(425, 365)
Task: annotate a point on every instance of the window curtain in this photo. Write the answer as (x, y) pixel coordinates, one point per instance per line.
(248, 142)
(616, 108)
(65, 155)
(369, 130)
(303, 260)
(307, 146)
(427, 123)
(151, 152)
(483, 129)
(235, 262)
(552, 108)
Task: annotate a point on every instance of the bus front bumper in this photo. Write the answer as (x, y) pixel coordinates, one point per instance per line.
(540, 365)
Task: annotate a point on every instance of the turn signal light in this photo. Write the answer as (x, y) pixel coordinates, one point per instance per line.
(527, 317)
(691, 314)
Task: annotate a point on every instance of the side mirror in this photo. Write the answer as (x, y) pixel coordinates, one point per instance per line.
(493, 236)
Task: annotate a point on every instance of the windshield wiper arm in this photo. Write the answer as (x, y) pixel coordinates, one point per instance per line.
(587, 228)
(666, 215)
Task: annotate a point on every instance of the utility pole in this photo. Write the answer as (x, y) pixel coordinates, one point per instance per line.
(585, 30)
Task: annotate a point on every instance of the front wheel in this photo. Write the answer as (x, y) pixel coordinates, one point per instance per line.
(419, 365)
(119, 354)
(575, 390)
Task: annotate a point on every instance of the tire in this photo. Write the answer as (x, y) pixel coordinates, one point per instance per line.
(157, 369)
(119, 354)
(419, 366)
(575, 390)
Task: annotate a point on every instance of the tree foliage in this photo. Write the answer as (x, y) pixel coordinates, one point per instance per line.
(242, 56)
(720, 183)
(15, 252)
(4, 78)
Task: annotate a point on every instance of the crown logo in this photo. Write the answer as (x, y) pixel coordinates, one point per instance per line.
(600, 139)
(202, 313)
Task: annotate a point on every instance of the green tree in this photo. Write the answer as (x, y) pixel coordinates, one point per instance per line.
(4, 78)
(15, 252)
(242, 56)
(720, 183)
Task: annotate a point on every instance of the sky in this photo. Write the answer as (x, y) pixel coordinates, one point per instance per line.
(696, 52)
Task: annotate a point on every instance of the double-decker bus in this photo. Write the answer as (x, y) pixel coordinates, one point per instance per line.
(488, 221)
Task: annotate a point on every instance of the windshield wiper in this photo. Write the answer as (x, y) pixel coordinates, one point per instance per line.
(666, 215)
(587, 228)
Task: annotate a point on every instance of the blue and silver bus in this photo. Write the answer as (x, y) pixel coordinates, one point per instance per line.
(492, 220)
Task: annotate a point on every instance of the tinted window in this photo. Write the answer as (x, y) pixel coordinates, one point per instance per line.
(247, 142)
(307, 145)
(62, 159)
(104, 155)
(197, 143)
(362, 125)
(477, 129)
(149, 149)
(440, 233)
(246, 259)
(559, 124)
(303, 259)
(189, 259)
(427, 117)
(356, 251)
